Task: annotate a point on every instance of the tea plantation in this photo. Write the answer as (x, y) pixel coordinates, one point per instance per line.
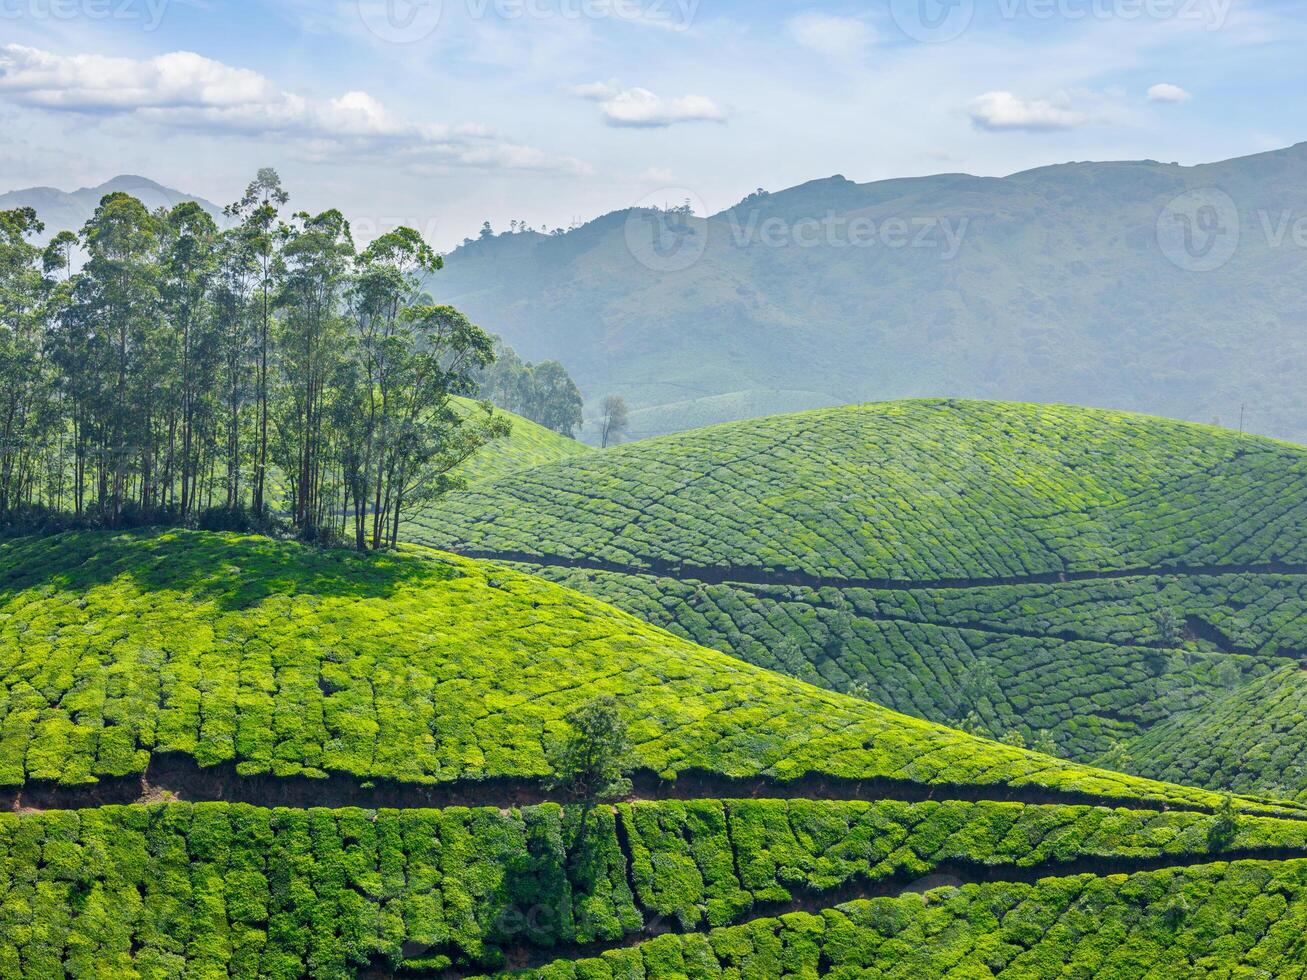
(528, 444)
(1220, 920)
(913, 491)
(1254, 737)
(172, 664)
(1055, 576)
(217, 889)
(412, 668)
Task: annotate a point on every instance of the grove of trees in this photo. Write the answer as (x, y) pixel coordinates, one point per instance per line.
(226, 378)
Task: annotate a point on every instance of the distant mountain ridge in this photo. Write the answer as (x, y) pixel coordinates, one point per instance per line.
(1136, 285)
(68, 210)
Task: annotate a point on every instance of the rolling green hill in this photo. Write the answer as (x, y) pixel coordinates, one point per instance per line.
(412, 668)
(1063, 576)
(1047, 285)
(1253, 737)
(529, 444)
(197, 675)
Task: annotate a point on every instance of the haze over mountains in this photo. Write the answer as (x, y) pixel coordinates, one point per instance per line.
(69, 210)
(1047, 285)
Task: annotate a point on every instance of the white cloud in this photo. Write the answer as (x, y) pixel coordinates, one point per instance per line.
(1166, 92)
(183, 89)
(997, 111)
(840, 38)
(640, 108)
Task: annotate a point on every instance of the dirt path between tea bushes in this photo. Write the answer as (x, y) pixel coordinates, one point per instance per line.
(953, 873)
(178, 777)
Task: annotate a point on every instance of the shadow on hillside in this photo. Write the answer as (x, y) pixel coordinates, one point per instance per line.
(233, 571)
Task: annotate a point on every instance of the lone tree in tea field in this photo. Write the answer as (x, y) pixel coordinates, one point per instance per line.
(590, 765)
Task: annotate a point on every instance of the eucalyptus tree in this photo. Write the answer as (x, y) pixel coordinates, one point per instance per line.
(258, 211)
(114, 311)
(189, 266)
(317, 251)
(23, 378)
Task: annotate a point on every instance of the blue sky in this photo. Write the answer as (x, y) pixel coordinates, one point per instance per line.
(444, 113)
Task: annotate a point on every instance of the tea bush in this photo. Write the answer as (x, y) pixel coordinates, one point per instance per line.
(410, 667)
(917, 491)
(1239, 919)
(230, 889)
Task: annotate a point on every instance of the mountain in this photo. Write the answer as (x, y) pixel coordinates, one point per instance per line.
(69, 210)
(1099, 583)
(1069, 283)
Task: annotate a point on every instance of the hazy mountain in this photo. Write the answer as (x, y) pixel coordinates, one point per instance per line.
(69, 210)
(1140, 285)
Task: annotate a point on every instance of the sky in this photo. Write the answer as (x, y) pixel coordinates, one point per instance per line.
(441, 114)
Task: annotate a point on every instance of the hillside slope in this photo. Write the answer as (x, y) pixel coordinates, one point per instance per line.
(201, 677)
(412, 668)
(1047, 285)
(1063, 576)
(529, 444)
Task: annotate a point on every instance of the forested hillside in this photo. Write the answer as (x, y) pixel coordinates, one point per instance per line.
(1046, 285)
(1054, 576)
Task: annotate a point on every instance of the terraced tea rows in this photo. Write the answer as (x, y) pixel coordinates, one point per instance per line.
(1254, 739)
(914, 491)
(1085, 696)
(219, 889)
(1063, 577)
(252, 666)
(1219, 920)
(411, 668)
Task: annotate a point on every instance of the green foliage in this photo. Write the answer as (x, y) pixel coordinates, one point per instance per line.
(1253, 737)
(1052, 658)
(527, 444)
(916, 491)
(911, 553)
(1219, 920)
(278, 658)
(231, 889)
(590, 762)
